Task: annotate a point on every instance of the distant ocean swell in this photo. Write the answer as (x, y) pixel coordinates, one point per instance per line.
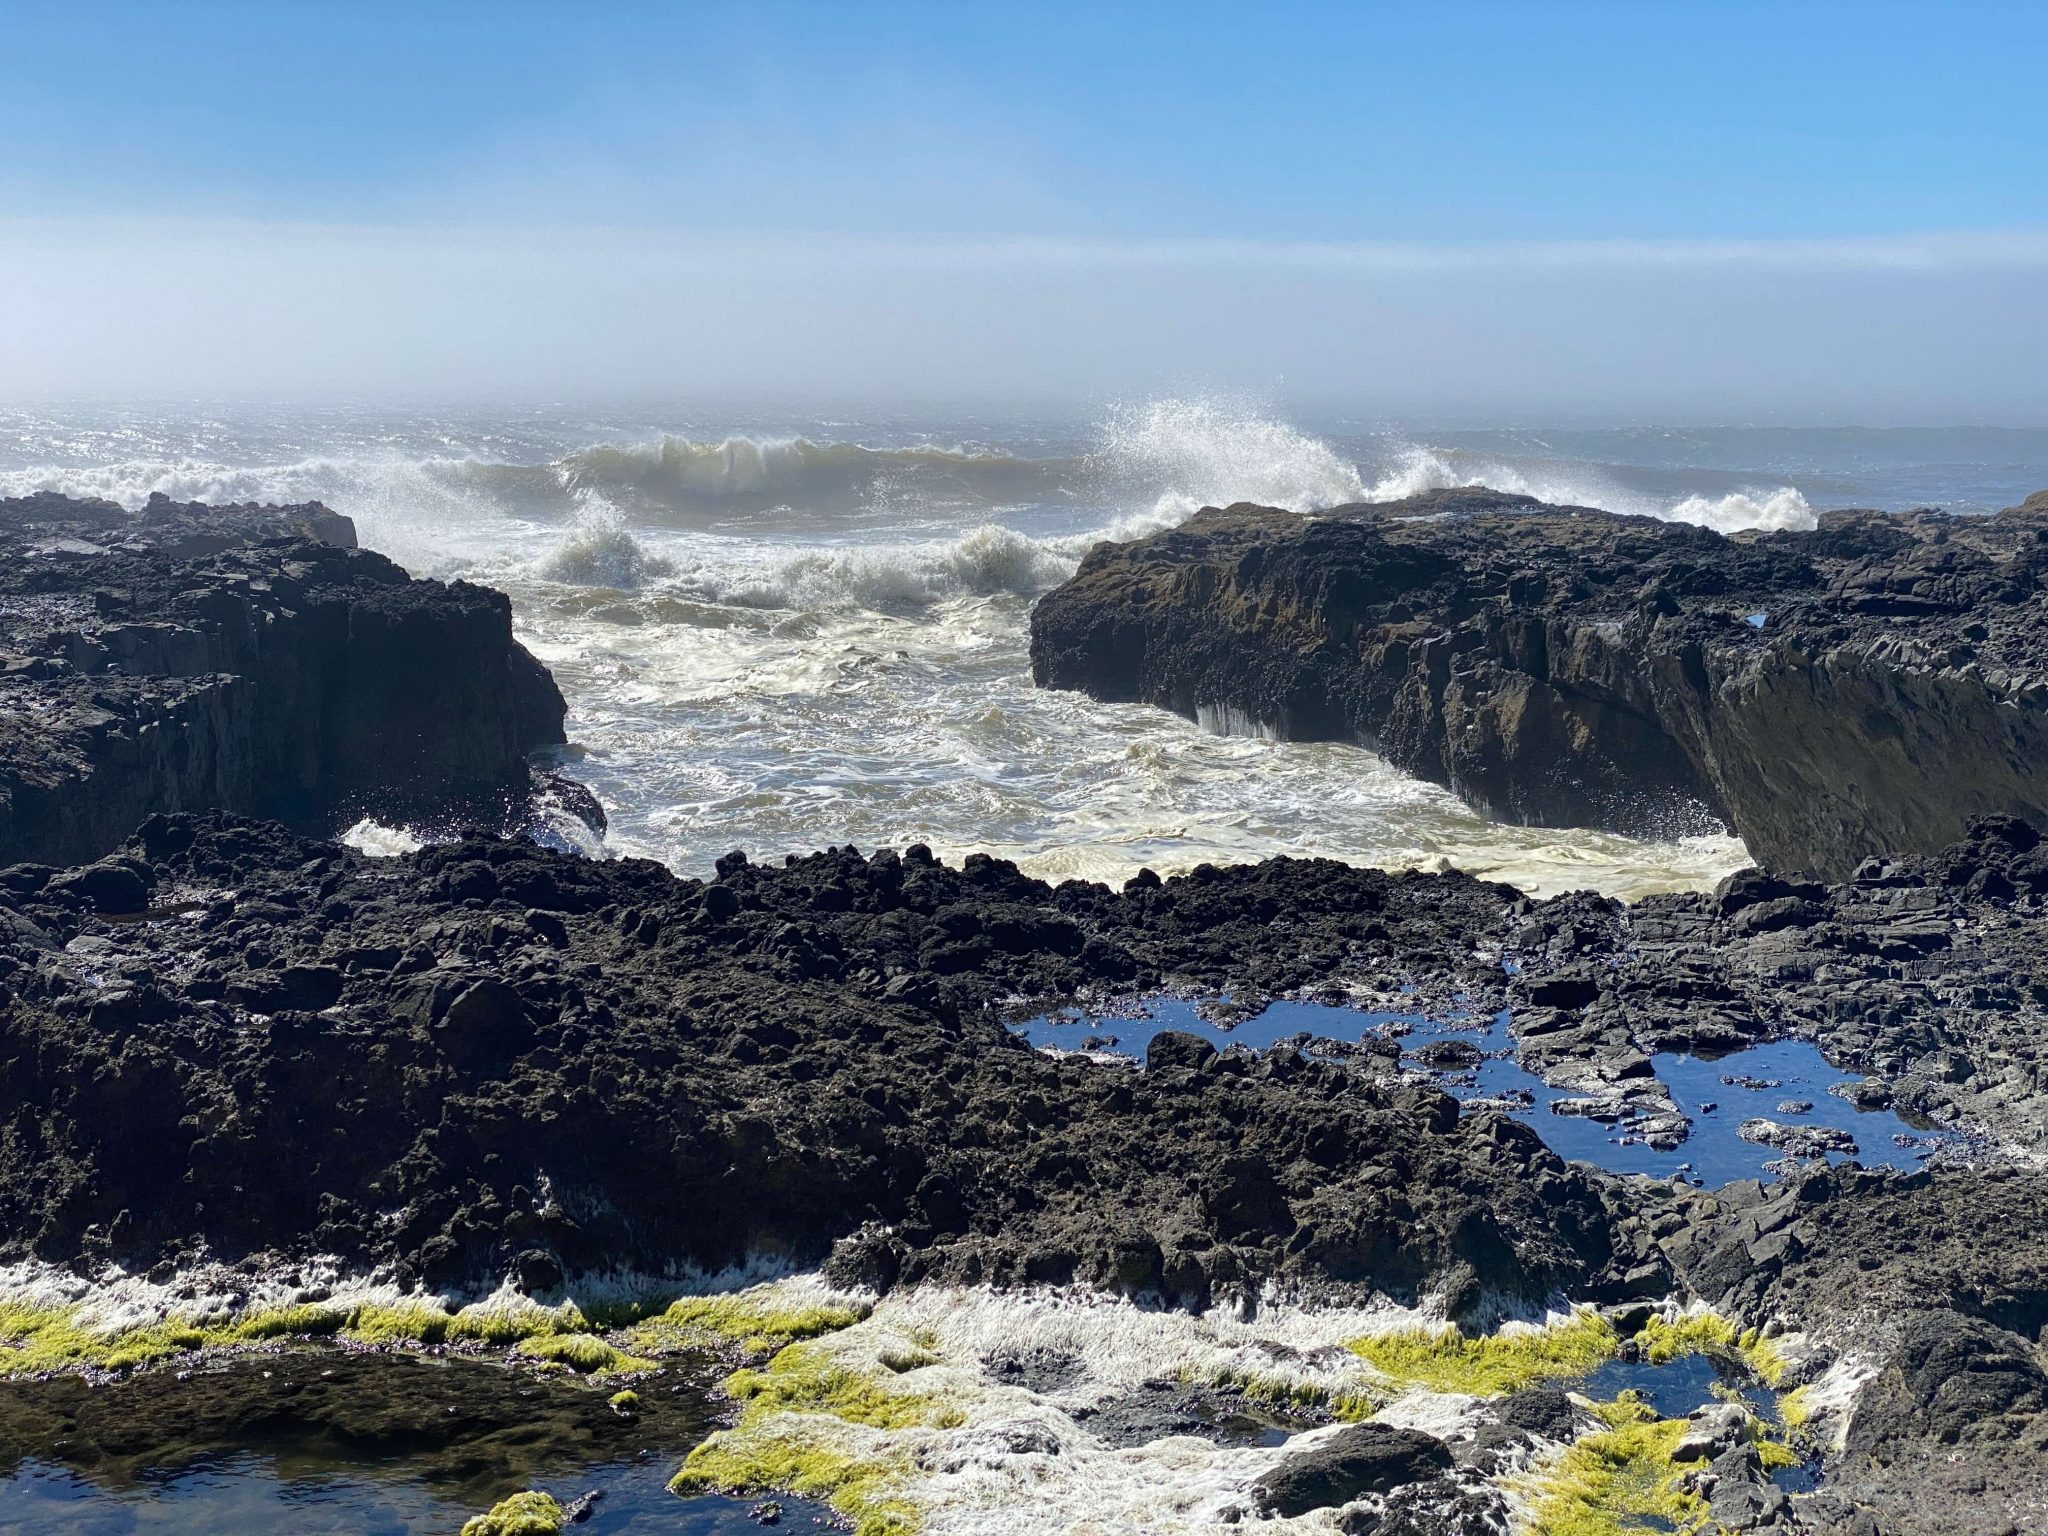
(1149, 468)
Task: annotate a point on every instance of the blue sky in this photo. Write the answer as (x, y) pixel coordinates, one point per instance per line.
(1335, 122)
(1291, 176)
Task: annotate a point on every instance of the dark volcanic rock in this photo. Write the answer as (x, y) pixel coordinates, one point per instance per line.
(1357, 1460)
(1929, 972)
(1953, 1433)
(488, 1055)
(249, 659)
(1952, 1379)
(1570, 667)
(302, 1041)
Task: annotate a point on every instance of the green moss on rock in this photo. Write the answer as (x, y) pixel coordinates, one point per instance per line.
(1445, 1360)
(747, 1319)
(801, 1379)
(1618, 1481)
(795, 1416)
(524, 1514)
(793, 1458)
(1708, 1333)
(584, 1352)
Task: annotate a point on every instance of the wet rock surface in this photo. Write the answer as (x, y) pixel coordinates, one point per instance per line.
(1863, 688)
(249, 659)
(1930, 973)
(491, 1060)
(538, 1052)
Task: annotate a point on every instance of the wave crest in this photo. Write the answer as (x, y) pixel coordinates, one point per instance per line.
(1194, 453)
(746, 473)
(601, 553)
(984, 562)
(1415, 470)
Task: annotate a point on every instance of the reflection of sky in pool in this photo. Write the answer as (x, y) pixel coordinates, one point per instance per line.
(1677, 1387)
(336, 1496)
(1790, 1069)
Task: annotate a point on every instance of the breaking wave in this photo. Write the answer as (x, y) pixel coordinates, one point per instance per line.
(1194, 453)
(984, 562)
(746, 473)
(1414, 470)
(601, 553)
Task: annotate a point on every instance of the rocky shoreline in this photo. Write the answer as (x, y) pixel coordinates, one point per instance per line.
(232, 1047)
(250, 659)
(1865, 688)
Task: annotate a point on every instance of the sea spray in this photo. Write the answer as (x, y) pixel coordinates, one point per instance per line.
(601, 553)
(1186, 454)
(1413, 470)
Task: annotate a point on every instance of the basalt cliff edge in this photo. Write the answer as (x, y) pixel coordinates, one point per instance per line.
(1862, 688)
(250, 659)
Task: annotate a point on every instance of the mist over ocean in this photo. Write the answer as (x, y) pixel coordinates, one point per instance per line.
(778, 632)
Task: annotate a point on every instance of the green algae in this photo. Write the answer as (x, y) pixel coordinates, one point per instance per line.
(1617, 1481)
(1795, 1410)
(584, 1352)
(790, 1459)
(1283, 1395)
(524, 1514)
(315, 1319)
(1445, 1360)
(744, 1319)
(1709, 1333)
(788, 1410)
(488, 1323)
(38, 1339)
(406, 1322)
(801, 1379)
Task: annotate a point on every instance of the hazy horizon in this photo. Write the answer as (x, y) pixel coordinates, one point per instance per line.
(1479, 215)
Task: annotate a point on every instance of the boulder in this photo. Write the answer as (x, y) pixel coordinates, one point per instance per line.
(1357, 1460)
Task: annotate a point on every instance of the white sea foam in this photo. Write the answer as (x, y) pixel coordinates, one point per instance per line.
(380, 841)
(1765, 510)
(600, 552)
(682, 474)
(1414, 470)
(856, 667)
(1020, 1462)
(1193, 453)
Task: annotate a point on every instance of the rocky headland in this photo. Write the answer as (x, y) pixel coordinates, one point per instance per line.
(250, 659)
(1863, 688)
(497, 1104)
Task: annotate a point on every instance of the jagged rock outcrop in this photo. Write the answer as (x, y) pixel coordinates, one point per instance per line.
(1931, 1288)
(249, 659)
(490, 1057)
(1863, 688)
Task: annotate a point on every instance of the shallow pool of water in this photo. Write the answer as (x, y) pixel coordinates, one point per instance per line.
(251, 1494)
(332, 1444)
(1717, 1096)
(1677, 1387)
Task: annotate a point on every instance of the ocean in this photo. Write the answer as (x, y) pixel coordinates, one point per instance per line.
(779, 632)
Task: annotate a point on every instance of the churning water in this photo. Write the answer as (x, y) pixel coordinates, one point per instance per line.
(778, 634)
